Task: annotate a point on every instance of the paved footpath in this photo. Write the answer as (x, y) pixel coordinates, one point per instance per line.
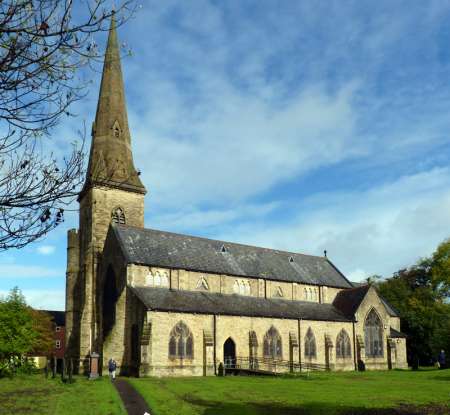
(133, 401)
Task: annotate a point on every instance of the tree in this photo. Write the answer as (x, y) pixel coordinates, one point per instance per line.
(420, 294)
(43, 46)
(43, 328)
(17, 335)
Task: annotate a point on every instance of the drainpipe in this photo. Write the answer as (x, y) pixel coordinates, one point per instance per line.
(214, 352)
(299, 346)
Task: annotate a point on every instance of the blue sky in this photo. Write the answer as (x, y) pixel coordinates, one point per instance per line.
(302, 126)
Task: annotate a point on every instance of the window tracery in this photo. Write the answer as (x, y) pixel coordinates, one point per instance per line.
(273, 347)
(343, 345)
(181, 342)
(373, 333)
(310, 344)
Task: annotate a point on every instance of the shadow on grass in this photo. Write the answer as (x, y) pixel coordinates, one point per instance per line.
(316, 408)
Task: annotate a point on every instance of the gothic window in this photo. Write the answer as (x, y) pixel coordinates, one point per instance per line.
(116, 129)
(305, 294)
(202, 284)
(157, 279)
(343, 345)
(310, 344)
(118, 216)
(241, 287)
(181, 342)
(272, 344)
(373, 333)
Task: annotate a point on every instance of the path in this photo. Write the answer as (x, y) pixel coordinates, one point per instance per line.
(134, 403)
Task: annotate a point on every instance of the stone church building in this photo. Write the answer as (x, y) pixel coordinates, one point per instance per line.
(162, 304)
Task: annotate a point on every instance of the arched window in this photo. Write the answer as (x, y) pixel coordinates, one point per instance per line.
(157, 279)
(118, 216)
(373, 332)
(272, 344)
(181, 342)
(343, 345)
(310, 344)
(241, 287)
(253, 346)
(305, 294)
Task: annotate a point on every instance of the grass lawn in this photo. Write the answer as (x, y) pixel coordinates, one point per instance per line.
(384, 393)
(34, 394)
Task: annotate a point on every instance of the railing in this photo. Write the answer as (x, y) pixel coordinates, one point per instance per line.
(269, 365)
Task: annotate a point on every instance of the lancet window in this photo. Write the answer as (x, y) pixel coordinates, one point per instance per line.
(118, 216)
(343, 345)
(241, 287)
(181, 343)
(158, 279)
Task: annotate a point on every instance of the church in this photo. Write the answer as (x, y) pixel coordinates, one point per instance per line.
(165, 304)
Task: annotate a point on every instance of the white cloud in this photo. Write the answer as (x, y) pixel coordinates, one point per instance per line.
(46, 249)
(377, 231)
(43, 299)
(16, 271)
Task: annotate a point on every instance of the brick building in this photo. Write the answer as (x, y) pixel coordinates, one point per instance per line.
(160, 303)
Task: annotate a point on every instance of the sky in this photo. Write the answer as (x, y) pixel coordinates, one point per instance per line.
(303, 126)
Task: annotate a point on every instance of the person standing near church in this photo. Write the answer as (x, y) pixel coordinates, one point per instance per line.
(441, 359)
(112, 366)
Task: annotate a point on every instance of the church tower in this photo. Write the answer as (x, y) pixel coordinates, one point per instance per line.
(112, 191)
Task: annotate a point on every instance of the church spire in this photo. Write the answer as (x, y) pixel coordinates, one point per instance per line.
(110, 159)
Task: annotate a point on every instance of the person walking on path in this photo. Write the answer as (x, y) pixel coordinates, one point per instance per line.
(112, 366)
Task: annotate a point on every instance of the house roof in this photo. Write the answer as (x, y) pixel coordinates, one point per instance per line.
(163, 299)
(59, 317)
(348, 301)
(171, 250)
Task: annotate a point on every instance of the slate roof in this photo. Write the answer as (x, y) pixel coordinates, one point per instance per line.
(59, 317)
(163, 299)
(171, 250)
(395, 334)
(348, 301)
(391, 310)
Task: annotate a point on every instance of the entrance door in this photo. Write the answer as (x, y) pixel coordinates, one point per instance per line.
(229, 353)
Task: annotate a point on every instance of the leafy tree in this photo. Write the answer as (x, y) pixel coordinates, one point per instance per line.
(43, 46)
(17, 334)
(43, 328)
(420, 294)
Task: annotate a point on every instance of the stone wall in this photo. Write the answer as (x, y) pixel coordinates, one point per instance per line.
(190, 280)
(158, 363)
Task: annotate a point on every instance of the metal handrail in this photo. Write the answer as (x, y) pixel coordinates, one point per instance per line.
(268, 364)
